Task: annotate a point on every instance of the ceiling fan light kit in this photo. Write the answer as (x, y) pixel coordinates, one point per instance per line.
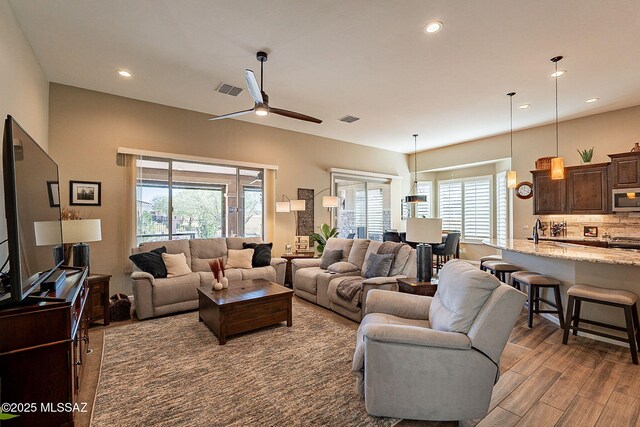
(261, 99)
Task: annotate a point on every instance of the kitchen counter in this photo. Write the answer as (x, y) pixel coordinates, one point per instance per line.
(568, 251)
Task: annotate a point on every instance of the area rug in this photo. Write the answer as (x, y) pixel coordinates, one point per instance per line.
(172, 372)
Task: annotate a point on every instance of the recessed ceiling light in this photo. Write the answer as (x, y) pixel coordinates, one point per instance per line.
(125, 73)
(433, 27)
(558, 73)
(591, 100)
(524, 106)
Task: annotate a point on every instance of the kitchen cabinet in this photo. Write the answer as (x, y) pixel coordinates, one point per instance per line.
(549, 196)
(588, 189)
(625, 170)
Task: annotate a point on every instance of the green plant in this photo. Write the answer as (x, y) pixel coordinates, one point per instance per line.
(321, 238)
(586, 155)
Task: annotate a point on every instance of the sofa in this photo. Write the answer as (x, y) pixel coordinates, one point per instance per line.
(435, 358)
(156, 297)
(318, 285)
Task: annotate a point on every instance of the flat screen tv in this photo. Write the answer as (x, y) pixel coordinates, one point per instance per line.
(31, 199)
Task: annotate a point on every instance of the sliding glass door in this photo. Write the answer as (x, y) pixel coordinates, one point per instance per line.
(187, 200)
(364, 208)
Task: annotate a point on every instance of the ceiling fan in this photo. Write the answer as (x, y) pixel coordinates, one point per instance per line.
(261, 99)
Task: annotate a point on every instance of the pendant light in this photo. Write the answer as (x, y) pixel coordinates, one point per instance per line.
(415, 198)
(512, 180)
(557, 163)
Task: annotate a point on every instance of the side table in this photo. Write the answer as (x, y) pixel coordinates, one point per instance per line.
(288, 280)
(410, 285)
(99, 308)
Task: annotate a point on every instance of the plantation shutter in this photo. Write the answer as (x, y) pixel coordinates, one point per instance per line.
(450, 202)
(375, 214)
(423, 210)
(501, 205)
(477, 209)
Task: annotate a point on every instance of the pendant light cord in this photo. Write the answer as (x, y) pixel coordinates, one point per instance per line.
(415, 163)
(557, 134)
(510, 94)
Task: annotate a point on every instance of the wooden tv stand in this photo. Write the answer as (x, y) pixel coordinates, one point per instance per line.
(42, 352)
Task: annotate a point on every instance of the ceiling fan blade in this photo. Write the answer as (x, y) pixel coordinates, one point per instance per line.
(252, 85)
(236, 114)
(294, 115)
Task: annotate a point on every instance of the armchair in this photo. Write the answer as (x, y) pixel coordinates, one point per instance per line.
(437, 358)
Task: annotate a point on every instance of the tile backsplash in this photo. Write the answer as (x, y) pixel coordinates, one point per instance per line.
(616, 225)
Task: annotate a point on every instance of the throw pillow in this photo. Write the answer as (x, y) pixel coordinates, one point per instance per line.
(239, 258)
(330, 257)
(151, 262)
(261, 253)
(342, 267)
(176, 264)
(378, 265)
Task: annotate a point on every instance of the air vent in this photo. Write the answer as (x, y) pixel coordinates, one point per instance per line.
(349, 119)
(229, 89)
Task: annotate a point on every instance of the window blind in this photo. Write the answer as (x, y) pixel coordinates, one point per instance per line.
(375, 214)
(450, 202)
(423, 210)
(501, 205)
(477, 209)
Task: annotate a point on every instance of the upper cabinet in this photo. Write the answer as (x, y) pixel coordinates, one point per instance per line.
(625, 170)
(588, 189)
(549, 196)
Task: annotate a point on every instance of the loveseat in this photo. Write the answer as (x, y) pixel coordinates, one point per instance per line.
(157, 297)
(320, 286)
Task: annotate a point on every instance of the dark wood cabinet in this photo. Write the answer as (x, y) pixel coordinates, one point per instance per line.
(549, 196)
(625, 170)
(99, 298)
(42, 352)
(587, 189)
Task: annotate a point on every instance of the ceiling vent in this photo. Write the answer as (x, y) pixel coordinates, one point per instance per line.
(349, 119)
(229, 89)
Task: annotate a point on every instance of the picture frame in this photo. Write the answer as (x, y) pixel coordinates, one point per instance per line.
(301, 244)
(53, 189)
(85, 193)
(590, 231)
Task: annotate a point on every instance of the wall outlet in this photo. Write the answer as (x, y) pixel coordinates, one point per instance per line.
(463, 250)
(526, 226)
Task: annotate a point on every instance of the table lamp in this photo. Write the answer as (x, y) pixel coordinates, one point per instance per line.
(80, 231)
(424, 231)
(49, 233)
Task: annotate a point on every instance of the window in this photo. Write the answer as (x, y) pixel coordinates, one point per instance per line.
(364, 210)
(465, 205)
(502, 203)
(423, 210)
(185, 200)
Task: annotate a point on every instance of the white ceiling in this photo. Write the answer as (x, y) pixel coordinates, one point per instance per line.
(367, 58)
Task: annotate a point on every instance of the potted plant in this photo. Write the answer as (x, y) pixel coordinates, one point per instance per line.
(321, 238)
(586, 155)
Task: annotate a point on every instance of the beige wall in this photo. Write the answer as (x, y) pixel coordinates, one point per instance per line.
(612, 132)
(87, 127)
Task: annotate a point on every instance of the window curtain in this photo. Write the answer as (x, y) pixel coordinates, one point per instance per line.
(128, 215)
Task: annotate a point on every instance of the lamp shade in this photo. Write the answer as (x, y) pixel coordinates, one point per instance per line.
(81, 230)
(557, 168)
(415, 198)
(298, 205)
(330, 201)
(424, 230)
(47, 233)
(512, 180)
(283, 207)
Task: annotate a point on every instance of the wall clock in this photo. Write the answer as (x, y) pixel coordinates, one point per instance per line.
(524, 190)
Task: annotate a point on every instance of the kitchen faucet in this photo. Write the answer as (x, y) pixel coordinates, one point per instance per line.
(537, 226)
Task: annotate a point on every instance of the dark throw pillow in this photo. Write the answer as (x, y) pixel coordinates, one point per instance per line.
(151, 262)
(330, 257)
(261, 253)
(378, 265)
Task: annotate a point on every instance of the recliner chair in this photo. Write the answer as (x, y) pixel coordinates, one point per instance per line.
(435, 358)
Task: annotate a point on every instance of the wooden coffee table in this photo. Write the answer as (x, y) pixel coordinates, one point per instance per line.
(244, 306)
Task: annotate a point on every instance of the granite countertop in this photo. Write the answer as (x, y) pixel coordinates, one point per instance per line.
(574, 239)
(567, 251)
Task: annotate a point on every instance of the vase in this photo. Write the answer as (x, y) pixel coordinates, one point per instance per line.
(217, 285)
(636, 148)
(225, 282)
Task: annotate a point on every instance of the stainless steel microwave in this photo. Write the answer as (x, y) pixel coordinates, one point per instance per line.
(626, 200)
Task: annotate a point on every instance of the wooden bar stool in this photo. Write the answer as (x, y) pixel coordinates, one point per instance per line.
(536, 281)
(500, 269)
(489, 258)
(612, 297)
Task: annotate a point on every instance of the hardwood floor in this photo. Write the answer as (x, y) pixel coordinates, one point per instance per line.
(543, 383)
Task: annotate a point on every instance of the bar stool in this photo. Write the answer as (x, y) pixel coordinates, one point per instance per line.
(489, 258)
(612, 297)
(500, 269)
(535, 281)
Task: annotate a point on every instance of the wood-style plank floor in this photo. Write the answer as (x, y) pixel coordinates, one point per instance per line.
(543, 383)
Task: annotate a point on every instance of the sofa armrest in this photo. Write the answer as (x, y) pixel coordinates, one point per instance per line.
(275, 262)
(280, 265)
(299, 263)
(407, 306)
(416, 335)
(143, 294)
(382, 280)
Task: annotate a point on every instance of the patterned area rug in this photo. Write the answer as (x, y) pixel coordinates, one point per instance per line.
(172, 372)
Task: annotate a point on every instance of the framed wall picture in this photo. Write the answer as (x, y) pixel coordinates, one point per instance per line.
(590, 231)
(85, 193)
(53, 188)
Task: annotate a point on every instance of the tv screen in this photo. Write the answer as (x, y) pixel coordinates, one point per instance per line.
(32, 208)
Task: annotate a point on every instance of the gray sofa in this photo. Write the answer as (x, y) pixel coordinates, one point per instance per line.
(319, 285)
(437, 358)
(157, 297)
